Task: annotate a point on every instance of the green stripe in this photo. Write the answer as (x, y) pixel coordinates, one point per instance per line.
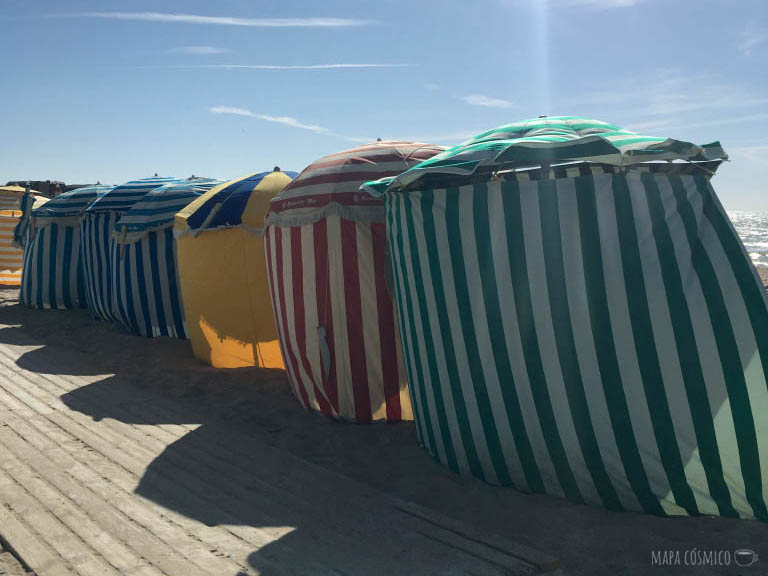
(519, 270)
(566, 345)
(453, 224)
(687, 350)
(497, 337)
(605, 347)
(428, 222)
(429, 344)
(416, 379)
(727, 348)
(645, 346)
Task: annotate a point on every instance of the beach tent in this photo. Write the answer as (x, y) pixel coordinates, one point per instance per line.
(328, 263)
(12, 202)
(53, 269)
(219, 238)
(144, 272)
(580, 318)
(96, 226)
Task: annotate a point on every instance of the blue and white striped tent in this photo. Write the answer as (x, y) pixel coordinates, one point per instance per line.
(580, 322)
(97, 223)
(147, 298)
(53, 269)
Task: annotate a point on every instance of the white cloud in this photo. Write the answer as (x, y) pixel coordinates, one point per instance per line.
(269, 66)
(486, 101)
(432, 86)
(198, 50)
(171, 18)
(285, 120)
(752, 36)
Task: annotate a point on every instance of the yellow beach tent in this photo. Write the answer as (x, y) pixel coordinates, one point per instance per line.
(11, 211)
(223, 274)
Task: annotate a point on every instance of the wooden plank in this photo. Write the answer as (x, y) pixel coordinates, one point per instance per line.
(30, 546)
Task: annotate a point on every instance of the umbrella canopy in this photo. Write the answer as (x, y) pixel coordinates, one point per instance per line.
(550, 141)
(122, 197)
(70, 204)
(331, 184)
(157, 208)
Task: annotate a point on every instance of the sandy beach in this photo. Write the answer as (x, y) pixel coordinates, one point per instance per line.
(196, 449)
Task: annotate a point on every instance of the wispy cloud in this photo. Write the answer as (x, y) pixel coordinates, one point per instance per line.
(432, 86)
(753, 36)
(487, 101)
(270, 66)
(171, 18)
(198, 50)
(285, 120)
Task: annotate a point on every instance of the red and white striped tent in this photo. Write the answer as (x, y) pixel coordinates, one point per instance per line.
(328, 266)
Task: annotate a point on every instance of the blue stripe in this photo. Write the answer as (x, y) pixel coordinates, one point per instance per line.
(173, 286)
(53, 242)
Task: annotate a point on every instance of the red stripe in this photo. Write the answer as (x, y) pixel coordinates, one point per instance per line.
(341, 176)
(299, 326)
(355, 336)
(324, 309)
(378, 157)
(284, 316)
(386, 323)
(385, 145)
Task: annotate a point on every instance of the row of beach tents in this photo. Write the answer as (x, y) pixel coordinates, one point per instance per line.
(560, 305)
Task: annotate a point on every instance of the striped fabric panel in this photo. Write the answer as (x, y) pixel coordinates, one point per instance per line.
(146, 298)
(122, 197)
(337, 178)
(11, 258)
(602, 338)
(336, 320)
(95, 233)
(72, 203)
(53, 272)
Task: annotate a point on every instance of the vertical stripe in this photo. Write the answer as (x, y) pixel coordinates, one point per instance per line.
(463, 298)
(388, 343)
(157, 306)
(432, 389)
(648, 349)
(299, 327)
(354, 321)
(369, 318)
(39, 297)
(424, 433)
(519, 268)
(730, 361)
(305, 249)
(50, 263)
(171, 258)
(77, 270)
(67, 280)
(565, 342)
(324, 308)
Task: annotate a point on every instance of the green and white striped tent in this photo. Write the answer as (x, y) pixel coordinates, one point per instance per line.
(579, 321)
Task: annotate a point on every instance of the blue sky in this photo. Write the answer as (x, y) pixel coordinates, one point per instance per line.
(112, 91)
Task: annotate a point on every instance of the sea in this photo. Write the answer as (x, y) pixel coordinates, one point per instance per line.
(752, 227)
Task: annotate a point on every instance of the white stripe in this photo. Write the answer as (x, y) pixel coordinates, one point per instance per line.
(340, 344)
(537, 278)
(666, 348)
(164, 269)
(514, 344)
(709, 356)
(310, 308)
(578, 306)
(459, 347)
(483, 336)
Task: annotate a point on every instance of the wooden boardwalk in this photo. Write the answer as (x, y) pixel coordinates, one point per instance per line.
(125, 456)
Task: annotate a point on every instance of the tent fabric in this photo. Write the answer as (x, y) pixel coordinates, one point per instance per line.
(96, 226)
(552, 140)
(601, 337)
(327, 257)
(222, 273)
(12, 200)
(144, 271)
(53, 269)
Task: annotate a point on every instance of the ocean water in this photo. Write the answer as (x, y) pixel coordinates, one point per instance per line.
(753, 229)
